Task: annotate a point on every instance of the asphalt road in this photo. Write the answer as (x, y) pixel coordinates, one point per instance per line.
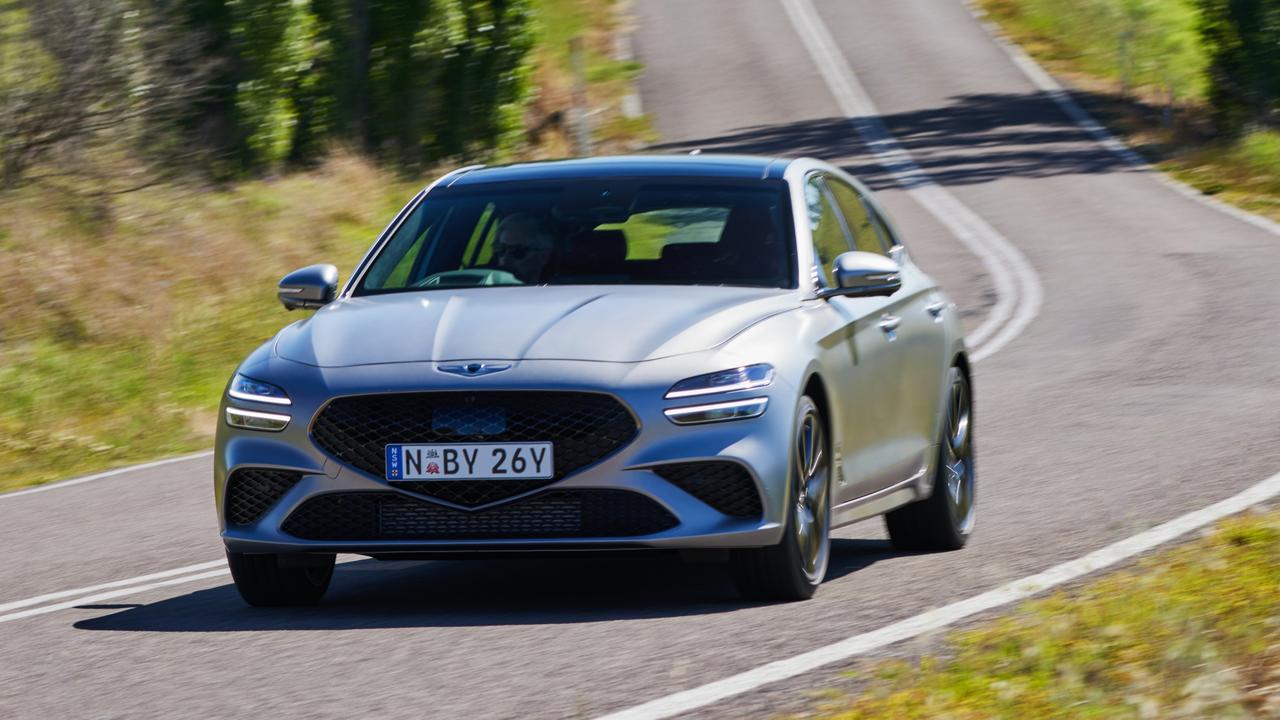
(1144, 389)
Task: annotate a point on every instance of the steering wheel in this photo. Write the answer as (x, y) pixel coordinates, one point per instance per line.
(470, 277)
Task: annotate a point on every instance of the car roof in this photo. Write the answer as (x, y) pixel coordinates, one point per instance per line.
(730, 167)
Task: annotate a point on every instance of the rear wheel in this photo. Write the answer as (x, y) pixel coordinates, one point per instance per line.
(944, 520)
(262, 582)
(792, 569)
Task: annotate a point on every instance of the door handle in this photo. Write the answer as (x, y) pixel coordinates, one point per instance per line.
(935, 309)
(889, 323)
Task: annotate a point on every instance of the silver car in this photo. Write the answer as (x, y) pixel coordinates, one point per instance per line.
(727, 356)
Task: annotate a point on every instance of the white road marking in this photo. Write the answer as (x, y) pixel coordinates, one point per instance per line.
(111, 594)
(1018, 291)
(687, 700)
(15, 604)
(105, 475)
(1060, 95)
(127, 586)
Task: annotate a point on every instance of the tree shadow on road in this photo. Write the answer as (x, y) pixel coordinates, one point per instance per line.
(974, 139)
(535, 591)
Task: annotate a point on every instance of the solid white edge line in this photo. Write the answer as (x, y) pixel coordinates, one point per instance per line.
(99, 597)
(1062, 96)
(1018, 291)
(938, 618)
(105, 475)
(15, 604)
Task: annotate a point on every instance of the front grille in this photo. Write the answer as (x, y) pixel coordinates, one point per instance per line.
(252, 491)
(722, 484)
(553, 514)
(584, 428)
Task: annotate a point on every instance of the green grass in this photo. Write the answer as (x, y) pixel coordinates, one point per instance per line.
(595, 22)
(1150, 46)
(121, 332)
(1193, 632)
(1139, 66)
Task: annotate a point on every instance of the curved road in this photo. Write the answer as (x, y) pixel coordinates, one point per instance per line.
(1144, 389)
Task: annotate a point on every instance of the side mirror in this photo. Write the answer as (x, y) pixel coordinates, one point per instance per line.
(864, 274)
(311, 287)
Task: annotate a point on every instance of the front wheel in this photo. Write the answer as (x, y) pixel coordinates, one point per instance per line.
(262, 582)
(792, 569)
(944, 520)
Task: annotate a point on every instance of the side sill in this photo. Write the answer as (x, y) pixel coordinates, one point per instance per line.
(877, 503)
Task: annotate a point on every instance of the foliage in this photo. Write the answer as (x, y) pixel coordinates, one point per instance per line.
(412, 81)
(1242, 38)
(1192, 632)
(84, 79)
(1141, 43)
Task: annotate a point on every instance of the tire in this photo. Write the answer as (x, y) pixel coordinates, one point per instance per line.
(793, 569)
(944, 520)
(263, 583)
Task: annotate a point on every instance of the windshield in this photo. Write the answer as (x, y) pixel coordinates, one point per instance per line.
(612, 232)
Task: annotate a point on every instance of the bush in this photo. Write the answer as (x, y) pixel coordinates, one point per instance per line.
(1242, 39)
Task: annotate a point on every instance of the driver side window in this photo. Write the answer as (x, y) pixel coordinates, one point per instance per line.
(826, 226)
(866, 235)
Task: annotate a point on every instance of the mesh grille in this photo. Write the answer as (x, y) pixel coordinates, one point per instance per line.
(553, 514)
(724, 485)
(471, 493)
(584, 427)
(252, 491)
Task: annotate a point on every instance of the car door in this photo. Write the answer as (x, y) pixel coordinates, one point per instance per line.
(924, 347)
(917, 342)
(858, 360)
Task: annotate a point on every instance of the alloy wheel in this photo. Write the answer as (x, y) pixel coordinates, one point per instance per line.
(957, 457)
(812, 498)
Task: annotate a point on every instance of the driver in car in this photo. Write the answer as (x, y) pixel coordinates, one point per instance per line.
(523, 247)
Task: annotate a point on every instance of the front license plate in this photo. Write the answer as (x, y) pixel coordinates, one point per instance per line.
(470, 461)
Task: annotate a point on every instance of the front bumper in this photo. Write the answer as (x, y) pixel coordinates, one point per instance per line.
(758, 444)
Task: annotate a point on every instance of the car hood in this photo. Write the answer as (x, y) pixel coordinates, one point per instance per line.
(612, 324)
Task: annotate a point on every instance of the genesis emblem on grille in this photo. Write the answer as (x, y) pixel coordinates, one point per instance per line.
(474, 369)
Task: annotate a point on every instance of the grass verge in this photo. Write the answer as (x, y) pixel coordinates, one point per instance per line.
(125, 316)
(1138, 67)
(1193, 632)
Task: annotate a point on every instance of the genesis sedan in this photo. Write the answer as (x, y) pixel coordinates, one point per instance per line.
(723, 355)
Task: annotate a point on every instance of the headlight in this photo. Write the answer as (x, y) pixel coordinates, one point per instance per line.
(246, 388)
(717, 412)
(253, 420)
(742, 378)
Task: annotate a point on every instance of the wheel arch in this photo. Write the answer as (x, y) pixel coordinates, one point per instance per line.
(816, 388)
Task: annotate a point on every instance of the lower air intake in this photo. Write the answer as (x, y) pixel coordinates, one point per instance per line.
(549, 515)
(252, 491)
(724, 485)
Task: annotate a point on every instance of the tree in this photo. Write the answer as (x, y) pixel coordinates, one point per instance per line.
(1243, 42)
(82, 81)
